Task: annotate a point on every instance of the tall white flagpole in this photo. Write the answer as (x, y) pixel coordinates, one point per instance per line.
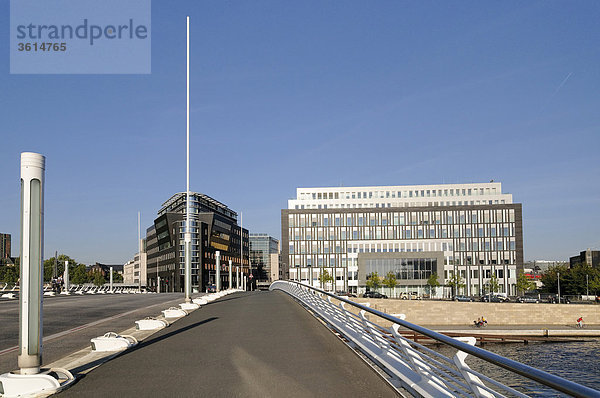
(139, 258)
(188, 234)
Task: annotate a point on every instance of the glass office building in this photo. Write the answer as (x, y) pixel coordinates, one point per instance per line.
(262, 247)
(473, 240)
(214, 228)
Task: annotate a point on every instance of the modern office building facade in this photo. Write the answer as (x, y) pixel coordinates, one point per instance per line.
(262, 249)
(5, 249)
(589, 256)
(214, 229)
(472, 230)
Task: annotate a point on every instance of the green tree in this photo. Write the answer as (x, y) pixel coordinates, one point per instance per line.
(456, 283)
(390, 281)
(523, 283)
(98, 278)
(550, 278)
(594, 285)
(9, 274)
(373, 281)
(79, 275)
(493, 284)
(324, 278)
(60, 266)
(117, 277)
(433, 284)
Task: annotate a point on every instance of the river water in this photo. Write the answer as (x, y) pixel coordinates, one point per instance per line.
(575, 361)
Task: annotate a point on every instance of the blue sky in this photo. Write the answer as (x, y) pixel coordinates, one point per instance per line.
(313, 93)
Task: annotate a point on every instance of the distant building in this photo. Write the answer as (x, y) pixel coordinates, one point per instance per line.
(214, 228)
(473, 230)
(104, 269)
(262, 249)
(541, 266)
(128, 272)
(133, 269)
(5, 250)
(589, 256)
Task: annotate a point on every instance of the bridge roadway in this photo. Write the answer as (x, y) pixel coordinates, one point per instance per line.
(71, 321)
(252, 344)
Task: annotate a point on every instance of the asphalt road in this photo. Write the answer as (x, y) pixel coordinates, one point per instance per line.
(253, 344)
(72, 316)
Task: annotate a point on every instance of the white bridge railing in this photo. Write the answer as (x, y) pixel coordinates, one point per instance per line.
(419, 370)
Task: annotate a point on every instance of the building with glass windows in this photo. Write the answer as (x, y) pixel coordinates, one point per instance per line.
(5, 250)
(262, 248)
(214, 228)
(471, 230)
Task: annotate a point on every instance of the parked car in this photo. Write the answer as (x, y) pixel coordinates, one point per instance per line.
(494, 298)
(410, 296)
(342, 293)
(553, 299)
(374, 295)
(462, 298)
(527, 299)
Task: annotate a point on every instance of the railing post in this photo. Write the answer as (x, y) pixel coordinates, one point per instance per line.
(471, 379)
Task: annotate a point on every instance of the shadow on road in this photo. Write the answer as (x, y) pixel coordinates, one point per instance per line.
(78, 370)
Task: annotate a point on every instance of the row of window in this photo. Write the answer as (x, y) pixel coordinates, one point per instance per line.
(433, 232)
(463, 245)
(399, 204)
(441, 217)
(417, 193)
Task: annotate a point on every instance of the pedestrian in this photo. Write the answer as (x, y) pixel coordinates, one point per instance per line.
(580, 322)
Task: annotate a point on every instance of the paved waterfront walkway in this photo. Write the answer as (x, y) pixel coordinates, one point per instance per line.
(259, 344)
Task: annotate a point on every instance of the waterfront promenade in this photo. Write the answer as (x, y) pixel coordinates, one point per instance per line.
(253, 344)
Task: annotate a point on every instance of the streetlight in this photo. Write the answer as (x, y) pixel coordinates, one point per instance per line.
(558, 277)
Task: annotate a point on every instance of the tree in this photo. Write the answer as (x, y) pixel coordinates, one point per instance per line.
(10, 274)
(373, 281)
(390, 281)
(433, 283)
(456, 282)
(117, 277)
(60, 266)
(79, 275)
(98, 278)
(523, 283)
(550, 277)
(325, 277)
(493, 284)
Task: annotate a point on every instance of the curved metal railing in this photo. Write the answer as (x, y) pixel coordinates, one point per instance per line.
(412, 366)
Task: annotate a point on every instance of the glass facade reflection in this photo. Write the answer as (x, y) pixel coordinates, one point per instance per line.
(403, 268)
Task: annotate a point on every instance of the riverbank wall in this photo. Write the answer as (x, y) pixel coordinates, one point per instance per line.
(451, 313)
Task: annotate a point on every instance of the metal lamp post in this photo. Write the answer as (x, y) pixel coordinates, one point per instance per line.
(188, 232)
(32, 271)
(218, 269)
(230, 275)
(558, 277)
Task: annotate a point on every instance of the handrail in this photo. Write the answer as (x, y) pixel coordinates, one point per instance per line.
(540, 376)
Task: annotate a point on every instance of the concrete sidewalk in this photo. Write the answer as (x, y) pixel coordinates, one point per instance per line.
(260, 344)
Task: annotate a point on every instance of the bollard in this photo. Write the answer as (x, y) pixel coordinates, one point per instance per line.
(230, 276)
(218, 268)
